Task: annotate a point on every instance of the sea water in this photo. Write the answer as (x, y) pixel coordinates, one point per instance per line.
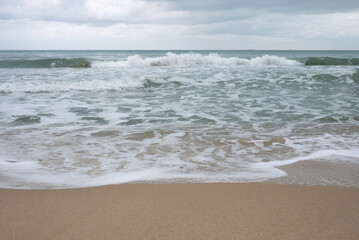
(87, 118)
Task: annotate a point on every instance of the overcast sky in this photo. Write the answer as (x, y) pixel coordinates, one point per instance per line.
(179, 24)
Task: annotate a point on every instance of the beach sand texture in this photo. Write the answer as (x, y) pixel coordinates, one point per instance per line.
(181, 211)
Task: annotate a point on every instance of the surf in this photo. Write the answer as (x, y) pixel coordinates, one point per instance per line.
(196, 59)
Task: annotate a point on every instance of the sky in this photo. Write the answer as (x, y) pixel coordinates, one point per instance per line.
(179, 24)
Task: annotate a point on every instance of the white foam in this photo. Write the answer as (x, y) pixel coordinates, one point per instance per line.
(193, 59)
(351, 156)
(85, 85)
(181, 155)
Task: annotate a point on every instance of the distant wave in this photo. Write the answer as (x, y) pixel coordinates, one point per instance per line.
(193, 59)
(46, 63)
(316, 61)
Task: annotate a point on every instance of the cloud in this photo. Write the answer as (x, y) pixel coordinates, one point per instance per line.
(97, 12)
(159, 24)
(283, 6)
(107, 12)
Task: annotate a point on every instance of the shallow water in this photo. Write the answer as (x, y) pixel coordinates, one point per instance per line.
(229, 116)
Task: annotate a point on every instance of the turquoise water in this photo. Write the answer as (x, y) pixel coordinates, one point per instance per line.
(86, 118)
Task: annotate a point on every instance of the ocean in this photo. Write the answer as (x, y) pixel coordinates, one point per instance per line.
(88, 118)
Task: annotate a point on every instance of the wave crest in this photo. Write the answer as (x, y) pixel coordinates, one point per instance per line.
(193, 59)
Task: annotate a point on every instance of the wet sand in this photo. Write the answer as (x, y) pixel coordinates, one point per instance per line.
(181, 211)
(340, 173)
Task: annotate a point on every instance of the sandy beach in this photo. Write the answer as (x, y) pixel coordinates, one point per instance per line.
(181, 211)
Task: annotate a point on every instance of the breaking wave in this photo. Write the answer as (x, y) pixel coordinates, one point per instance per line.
(46, 63)
(194, 59)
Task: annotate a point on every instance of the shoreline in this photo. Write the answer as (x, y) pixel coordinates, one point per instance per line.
(181, 211)
(343, 174)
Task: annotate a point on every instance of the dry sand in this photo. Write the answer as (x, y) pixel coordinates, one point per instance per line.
(181, 211)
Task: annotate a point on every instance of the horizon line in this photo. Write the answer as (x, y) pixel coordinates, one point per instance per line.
(179, 49)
